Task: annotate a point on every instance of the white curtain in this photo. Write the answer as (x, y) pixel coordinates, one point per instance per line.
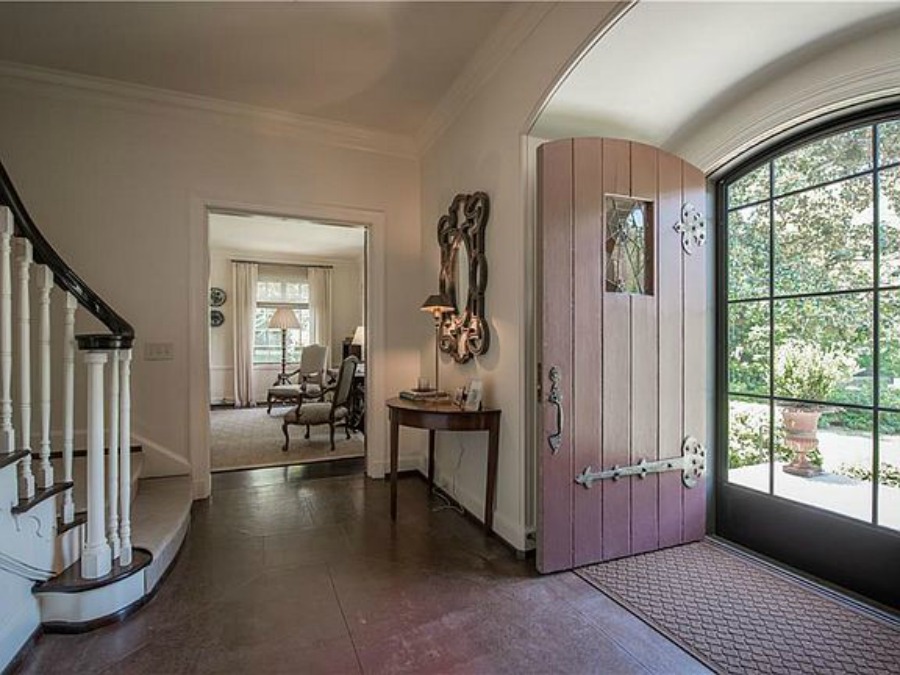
(319, 279)
(245, 275)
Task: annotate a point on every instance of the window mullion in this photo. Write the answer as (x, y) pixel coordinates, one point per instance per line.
(772, 421)
(876, 321)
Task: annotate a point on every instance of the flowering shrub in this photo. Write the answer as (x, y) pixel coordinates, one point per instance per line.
(807, 371)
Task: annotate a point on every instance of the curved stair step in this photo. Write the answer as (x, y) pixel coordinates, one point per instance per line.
(72, 604)
(25, 505)
(160, 520)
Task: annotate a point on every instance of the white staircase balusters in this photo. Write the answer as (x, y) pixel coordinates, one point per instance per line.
(7, 432)
(45, 286)
(112, 469)
(96, 559)
(124, 359)
(68, 509)
(23, 264)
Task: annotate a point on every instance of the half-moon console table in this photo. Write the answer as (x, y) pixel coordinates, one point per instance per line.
(445, 416)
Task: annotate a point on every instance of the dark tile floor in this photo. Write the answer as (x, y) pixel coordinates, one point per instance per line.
(299, 570)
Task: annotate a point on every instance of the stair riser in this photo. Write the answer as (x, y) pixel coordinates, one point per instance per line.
(79, 474)
(78, 611)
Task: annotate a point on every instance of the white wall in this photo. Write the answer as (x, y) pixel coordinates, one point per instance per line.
(114, 182)
(20, 615)
(347, 294)
(484, 149)
(862, 70)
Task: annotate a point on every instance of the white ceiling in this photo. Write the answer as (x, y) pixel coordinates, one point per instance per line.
(666, 62)
(285, 237)
(382, 65)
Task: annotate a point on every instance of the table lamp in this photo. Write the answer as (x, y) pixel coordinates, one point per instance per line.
(437, 305)
(284, 318)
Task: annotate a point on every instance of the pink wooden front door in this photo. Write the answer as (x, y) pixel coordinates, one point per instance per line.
(626, 349)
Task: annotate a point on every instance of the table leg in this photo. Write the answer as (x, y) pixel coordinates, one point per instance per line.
(430, 460)
(493, 455)
(395, 438)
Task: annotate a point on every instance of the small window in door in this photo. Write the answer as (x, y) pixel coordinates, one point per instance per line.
(629, 245)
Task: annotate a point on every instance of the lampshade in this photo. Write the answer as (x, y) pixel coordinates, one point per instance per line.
(437, 303)
(284, 318)
(359, 337)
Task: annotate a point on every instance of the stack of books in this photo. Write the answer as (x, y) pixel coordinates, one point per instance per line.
(423, 395)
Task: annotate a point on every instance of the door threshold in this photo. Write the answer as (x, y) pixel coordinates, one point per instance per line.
(826, 588)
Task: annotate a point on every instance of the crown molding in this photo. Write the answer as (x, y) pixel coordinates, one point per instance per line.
(140, 98)
(515, 26)
(758, 125)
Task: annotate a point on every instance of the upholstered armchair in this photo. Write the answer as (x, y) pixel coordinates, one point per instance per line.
(310, 375)
(334, 413)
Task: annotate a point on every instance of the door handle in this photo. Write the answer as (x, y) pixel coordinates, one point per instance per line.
(555, 398)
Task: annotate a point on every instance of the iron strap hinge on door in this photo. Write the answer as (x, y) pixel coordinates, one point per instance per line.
(692, 465)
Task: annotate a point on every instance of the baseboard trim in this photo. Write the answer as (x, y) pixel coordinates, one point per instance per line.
(24, 652)
(78, 627)
(521, 554)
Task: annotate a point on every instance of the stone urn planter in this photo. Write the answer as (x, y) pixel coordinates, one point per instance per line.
(808, 372)
(801, 426)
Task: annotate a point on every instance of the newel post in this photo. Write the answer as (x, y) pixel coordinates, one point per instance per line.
(96, 558)
(112, 476)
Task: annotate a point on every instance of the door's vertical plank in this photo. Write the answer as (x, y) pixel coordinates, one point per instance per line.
(645, 366)
(669, 306)
(616, 390)
(695, 305)
(554, 544)
(588, 344)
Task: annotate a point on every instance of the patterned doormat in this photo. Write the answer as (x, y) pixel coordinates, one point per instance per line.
(739, 615)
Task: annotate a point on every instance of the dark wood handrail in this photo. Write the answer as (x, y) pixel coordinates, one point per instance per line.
(122, 334)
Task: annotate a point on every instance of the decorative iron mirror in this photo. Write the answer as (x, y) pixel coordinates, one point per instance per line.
(464, 273)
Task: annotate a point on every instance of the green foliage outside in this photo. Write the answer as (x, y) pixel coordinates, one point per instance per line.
(823, 241)
(887, 474)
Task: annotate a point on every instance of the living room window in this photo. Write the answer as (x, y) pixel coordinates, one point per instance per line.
(281, 286)
(810, 323)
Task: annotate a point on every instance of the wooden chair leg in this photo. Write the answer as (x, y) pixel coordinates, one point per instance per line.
(287, 438)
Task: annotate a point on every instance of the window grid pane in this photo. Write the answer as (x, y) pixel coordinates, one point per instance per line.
(825, 236)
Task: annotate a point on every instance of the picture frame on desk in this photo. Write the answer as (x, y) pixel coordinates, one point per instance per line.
(474, 394)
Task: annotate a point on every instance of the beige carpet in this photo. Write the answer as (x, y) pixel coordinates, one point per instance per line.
(248, 437)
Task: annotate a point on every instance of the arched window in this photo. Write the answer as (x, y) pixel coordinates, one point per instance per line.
(809, 321)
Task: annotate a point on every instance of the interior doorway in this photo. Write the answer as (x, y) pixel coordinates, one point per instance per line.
(287, 341)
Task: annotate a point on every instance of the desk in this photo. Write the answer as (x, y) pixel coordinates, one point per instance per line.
(445, 416)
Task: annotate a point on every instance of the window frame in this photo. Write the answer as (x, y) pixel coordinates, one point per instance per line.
(297, 306)
(824, 128)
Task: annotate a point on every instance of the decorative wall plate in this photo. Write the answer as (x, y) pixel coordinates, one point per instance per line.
(216, 318)
(217, 297)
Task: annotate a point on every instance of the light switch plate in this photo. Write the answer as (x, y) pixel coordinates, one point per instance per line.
(159, 351)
